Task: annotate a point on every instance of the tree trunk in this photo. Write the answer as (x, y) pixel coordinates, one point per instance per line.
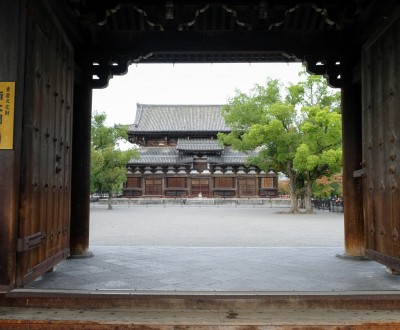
(307, 197)
(109, 200)
(294, 206)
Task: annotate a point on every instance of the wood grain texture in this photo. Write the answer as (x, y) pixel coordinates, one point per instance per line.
(12, 34)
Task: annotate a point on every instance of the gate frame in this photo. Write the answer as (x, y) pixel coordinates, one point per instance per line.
(13, 17)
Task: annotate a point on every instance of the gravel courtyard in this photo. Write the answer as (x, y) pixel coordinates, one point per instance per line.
(210, 226)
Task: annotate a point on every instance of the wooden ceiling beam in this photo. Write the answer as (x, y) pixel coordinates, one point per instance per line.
(296, 43)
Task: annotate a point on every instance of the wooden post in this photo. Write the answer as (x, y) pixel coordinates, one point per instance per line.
(236, 186)
(12, 69)
(80, 199)
(352, 157)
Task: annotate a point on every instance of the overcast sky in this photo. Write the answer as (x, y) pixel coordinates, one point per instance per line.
(183, 84)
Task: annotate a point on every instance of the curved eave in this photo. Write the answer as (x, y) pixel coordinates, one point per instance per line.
(175, 133)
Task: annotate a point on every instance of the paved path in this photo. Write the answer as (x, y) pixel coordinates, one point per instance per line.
(216, 249)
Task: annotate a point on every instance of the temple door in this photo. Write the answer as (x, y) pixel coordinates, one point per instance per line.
(200, 186)
(247, 187)
(45, 202)
(153, 187)
(381, 145)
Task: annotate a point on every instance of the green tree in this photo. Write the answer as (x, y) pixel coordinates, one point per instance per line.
(299, 135)
(313, 91)
(264, 121)
(320, 153)
(108, 162)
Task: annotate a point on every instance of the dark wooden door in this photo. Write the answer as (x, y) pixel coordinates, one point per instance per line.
(247, 187)
(381, 146)
(44, 211)
(153, 187)
(200, 186)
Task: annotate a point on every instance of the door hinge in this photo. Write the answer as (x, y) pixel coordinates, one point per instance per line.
(30, 242)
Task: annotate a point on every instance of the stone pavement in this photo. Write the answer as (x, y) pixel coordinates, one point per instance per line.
(216, 249)
(217, 269)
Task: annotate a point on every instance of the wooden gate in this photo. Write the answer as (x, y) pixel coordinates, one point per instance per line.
(44, 211)
(381, 145)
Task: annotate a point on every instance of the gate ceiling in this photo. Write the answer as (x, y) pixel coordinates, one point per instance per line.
(320, 33)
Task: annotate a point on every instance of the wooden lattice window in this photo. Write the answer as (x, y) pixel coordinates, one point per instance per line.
(267, 182)
(153, 187)
(200, 164)
(176, 182)
(200, 186)
(224, 183)
(133, 183)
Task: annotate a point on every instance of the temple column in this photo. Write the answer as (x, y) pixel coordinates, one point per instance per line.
(80, 199)
(354, 236)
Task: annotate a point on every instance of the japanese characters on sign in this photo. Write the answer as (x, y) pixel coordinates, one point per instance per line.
(7, 98)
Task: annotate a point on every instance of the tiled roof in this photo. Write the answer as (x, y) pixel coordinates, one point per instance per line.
(181, 118)
(170, 155)
(230, 156)
(160, 155)
(198, 145)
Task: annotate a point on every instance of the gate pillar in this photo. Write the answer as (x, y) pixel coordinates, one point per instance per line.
(80, 207)
(354, 239)
(12, 69)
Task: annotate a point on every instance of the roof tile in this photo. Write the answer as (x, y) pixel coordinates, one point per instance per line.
(170, 155)
(164, 118)
(160, 155)
(198, 144)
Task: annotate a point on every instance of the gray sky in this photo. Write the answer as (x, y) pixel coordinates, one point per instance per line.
(183, 84)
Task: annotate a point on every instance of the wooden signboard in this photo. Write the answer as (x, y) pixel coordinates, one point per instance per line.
(7, 98)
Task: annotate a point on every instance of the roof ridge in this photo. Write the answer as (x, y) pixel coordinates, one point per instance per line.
(178, 105)
(176, 117)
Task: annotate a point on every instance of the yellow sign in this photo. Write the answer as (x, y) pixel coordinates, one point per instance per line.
(7, 98)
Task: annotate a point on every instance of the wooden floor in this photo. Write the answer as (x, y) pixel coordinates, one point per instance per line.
(35, 318)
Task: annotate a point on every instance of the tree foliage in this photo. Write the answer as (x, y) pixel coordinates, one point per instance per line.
(108, 162)
(283, 187)
(298, 135)
(328, 186)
